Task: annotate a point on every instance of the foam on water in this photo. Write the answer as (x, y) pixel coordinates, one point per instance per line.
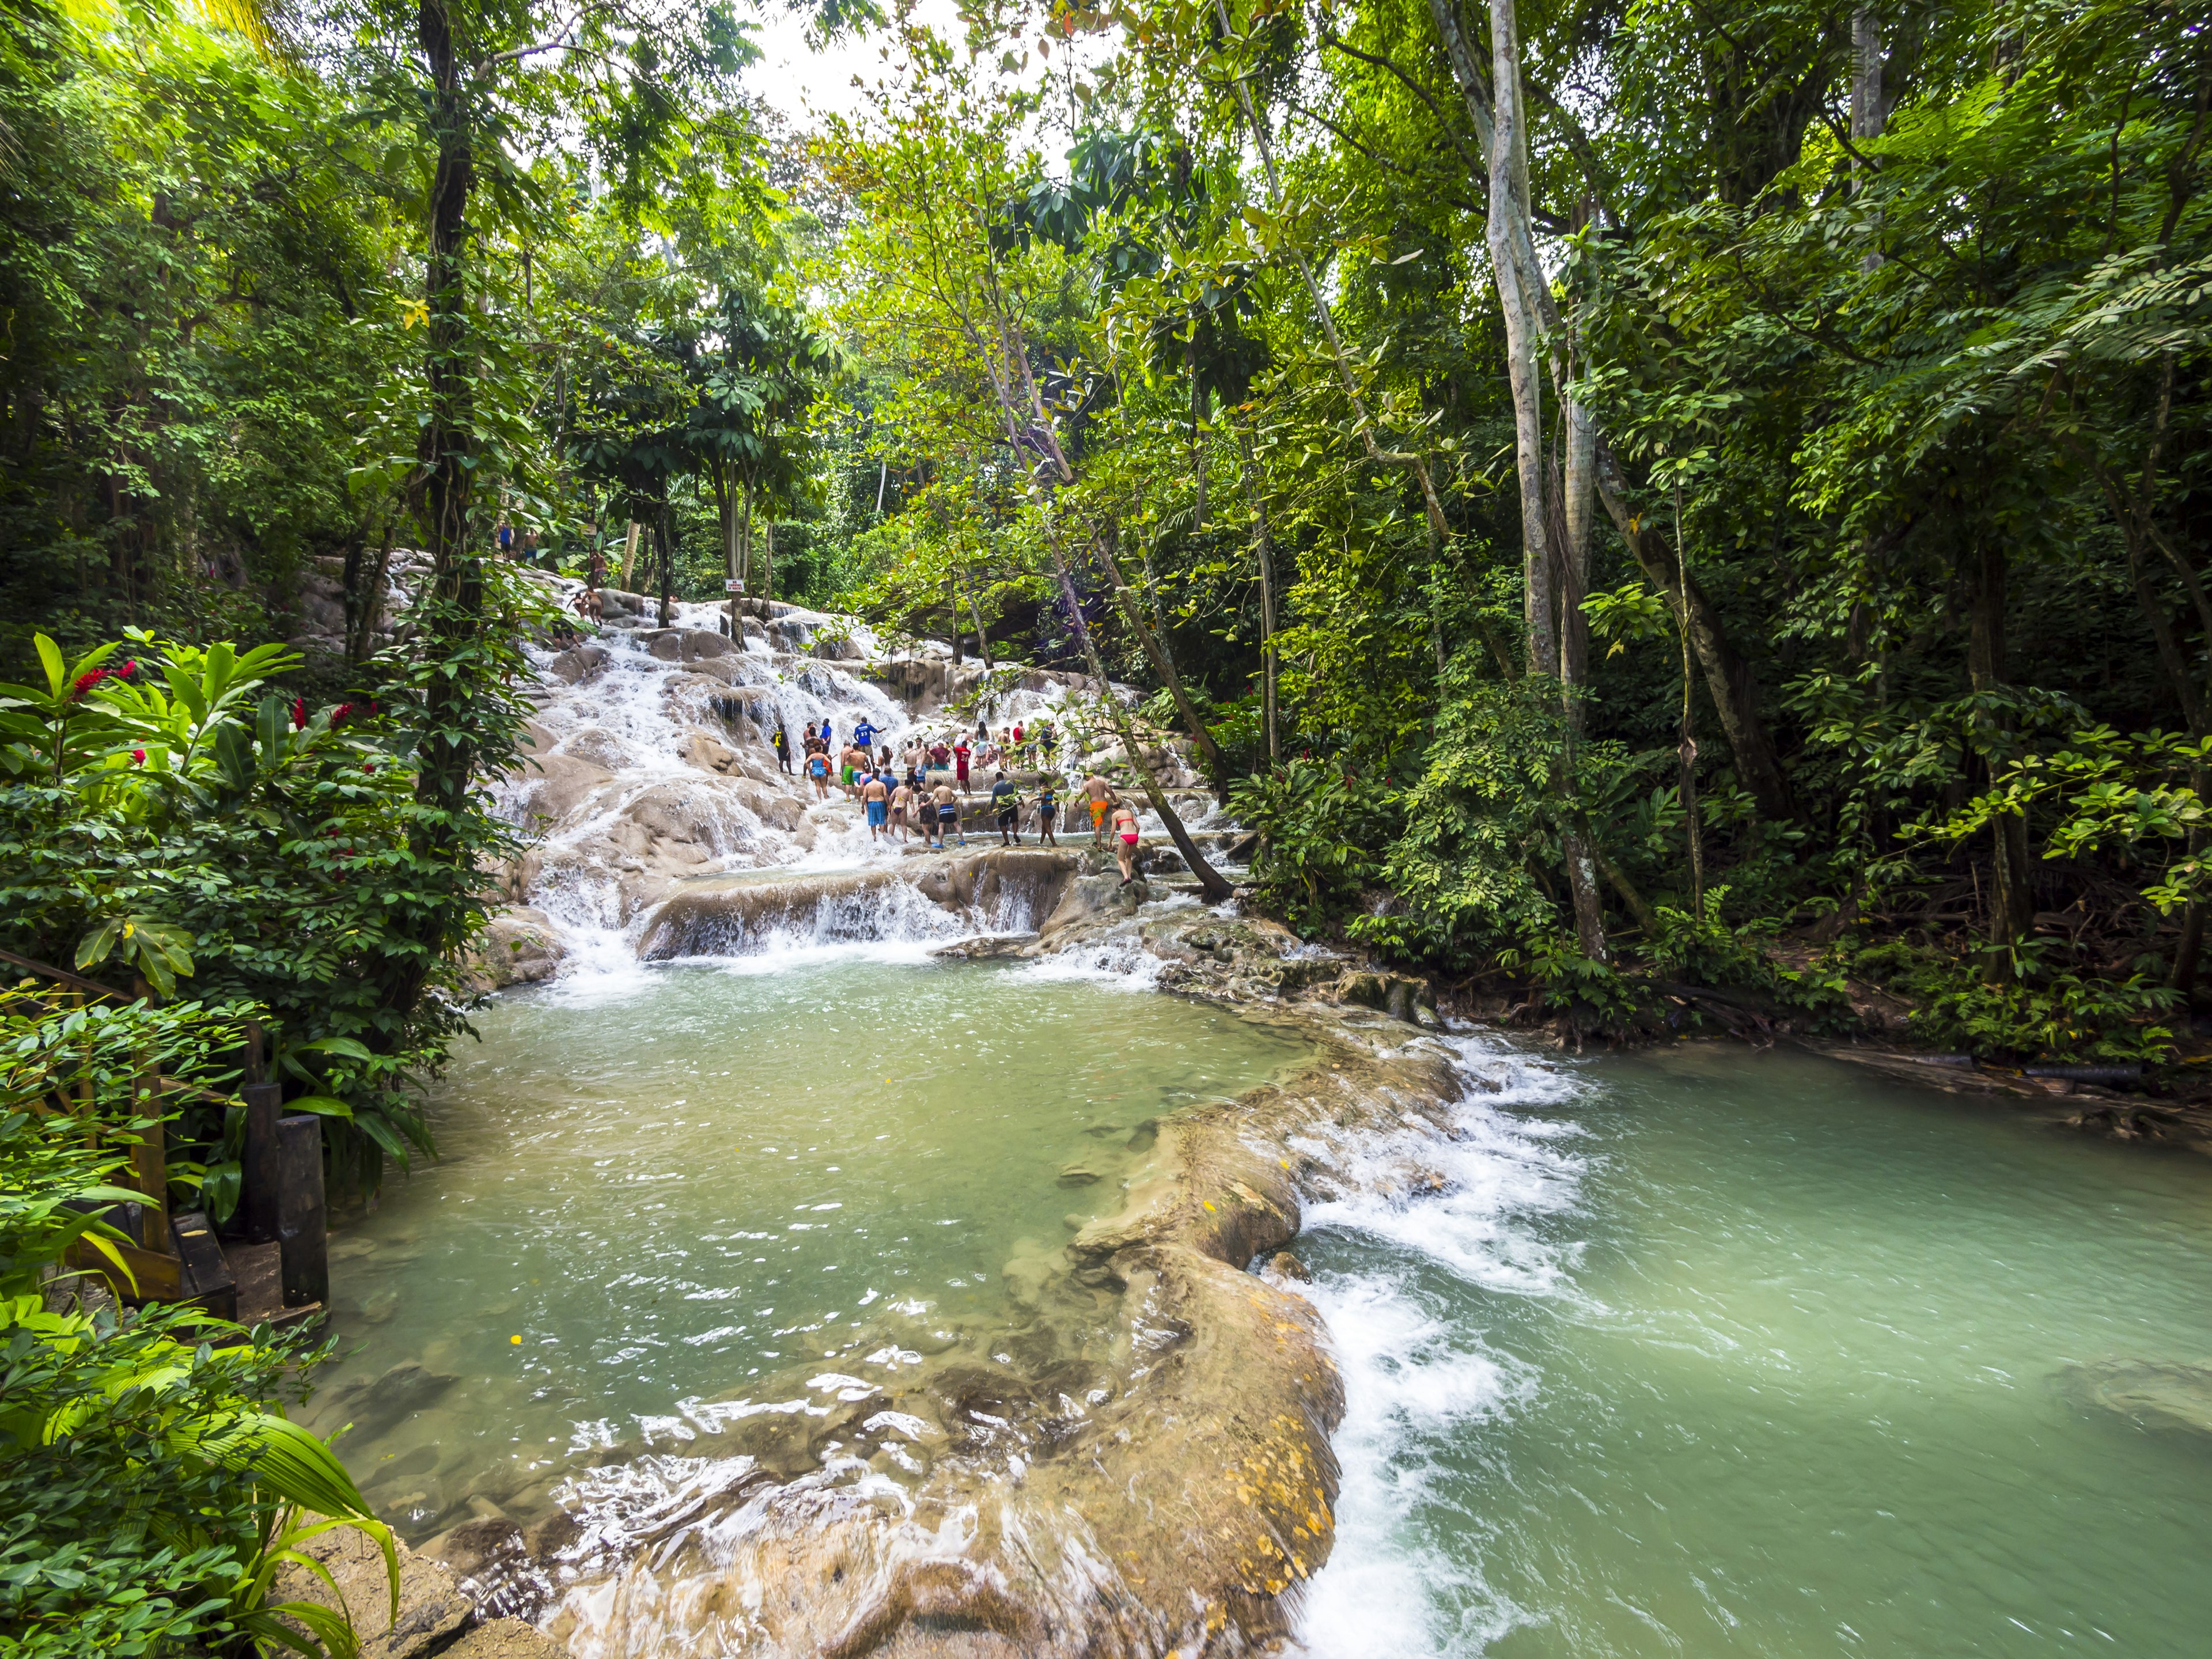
(1410, 1372)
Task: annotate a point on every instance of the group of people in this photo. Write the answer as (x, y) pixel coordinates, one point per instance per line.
(911, 794)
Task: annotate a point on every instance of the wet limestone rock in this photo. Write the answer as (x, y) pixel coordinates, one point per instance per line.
(519, 946)
(556, 787)
(505, 1638)
(1401, 996)
(433, 1610)
(688, 645)
(578, 663)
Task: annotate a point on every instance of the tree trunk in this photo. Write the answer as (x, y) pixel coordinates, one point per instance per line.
(1217, 887)
(1578, 844)
(725, 512)
(1197, 445)
(1729, 679)
(667, 560)
(982, 634)
(767, 567)
(1156, 651)
(446, 449)
(1263, 547)
(1517, 306)
(2012, 915)
(952, 607)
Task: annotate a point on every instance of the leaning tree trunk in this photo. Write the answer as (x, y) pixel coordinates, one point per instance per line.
(1215, 885)
(1156, 651)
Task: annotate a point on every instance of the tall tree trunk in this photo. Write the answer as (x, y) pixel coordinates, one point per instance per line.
(1735, 688)
(1216, 885)
(667, 560)
(1578, 844)
(953, 610)
(767, 567)
(2012, 915)
(446, 449)
(1509, 173)
(1263, 547)
(725, 510)
(1197, 444)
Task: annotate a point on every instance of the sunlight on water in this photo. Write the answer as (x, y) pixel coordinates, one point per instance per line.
(696, 1200)
(1708, 1352)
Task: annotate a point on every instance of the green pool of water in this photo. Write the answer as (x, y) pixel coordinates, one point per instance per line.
(663, 1205)
(1715, 1353)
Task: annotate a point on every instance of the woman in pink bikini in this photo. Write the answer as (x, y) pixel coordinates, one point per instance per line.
(1125, 841)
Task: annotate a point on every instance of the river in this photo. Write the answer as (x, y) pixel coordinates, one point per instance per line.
(1705, 1352)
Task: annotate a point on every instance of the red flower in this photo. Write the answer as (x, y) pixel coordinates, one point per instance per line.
(300, 714)
(129, 668)
(85, 682)
(138, 756)
(339, 713)
(368, 766)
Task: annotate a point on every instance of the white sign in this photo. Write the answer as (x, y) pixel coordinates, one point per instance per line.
(732, 586)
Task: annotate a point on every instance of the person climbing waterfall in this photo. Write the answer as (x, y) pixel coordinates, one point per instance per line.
(864, 734)
(1125, 836)
(780, 741)
(902, 798)
(1006, 799)
(960, 753)
(817, 770)
(1047, 808)
(1101, 793)
(876, 799)
(948, 814)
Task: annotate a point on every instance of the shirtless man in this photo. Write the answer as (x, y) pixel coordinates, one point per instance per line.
(850, 760)
(876, 800)
(902, 798)
(1101, 795)
(1125, 841)
(947, 801)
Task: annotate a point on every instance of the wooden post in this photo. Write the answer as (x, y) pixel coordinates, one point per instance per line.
(260, 1166)
(303, 1223)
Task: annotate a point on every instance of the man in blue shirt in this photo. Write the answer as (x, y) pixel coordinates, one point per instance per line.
(864, 735)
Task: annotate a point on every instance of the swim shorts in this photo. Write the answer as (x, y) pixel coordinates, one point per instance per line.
(878, 811)
(1098, 813)
(948, 815)
(1007, 818)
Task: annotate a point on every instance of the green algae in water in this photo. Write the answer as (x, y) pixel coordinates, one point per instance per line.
(1715, 1353)
(692, 1200)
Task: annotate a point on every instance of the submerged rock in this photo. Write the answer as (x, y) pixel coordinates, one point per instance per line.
(2158, 1394)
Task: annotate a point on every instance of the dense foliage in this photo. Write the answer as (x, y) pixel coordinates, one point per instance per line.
(150, 1487)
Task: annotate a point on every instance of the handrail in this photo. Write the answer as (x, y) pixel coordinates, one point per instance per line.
(63, 976)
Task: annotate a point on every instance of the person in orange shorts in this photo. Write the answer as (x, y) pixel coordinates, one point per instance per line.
(1102, 795)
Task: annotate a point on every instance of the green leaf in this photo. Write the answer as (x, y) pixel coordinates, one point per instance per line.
(321, 1106)
(50, 658)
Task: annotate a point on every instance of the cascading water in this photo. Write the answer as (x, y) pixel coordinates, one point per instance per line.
(1702, 1352)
